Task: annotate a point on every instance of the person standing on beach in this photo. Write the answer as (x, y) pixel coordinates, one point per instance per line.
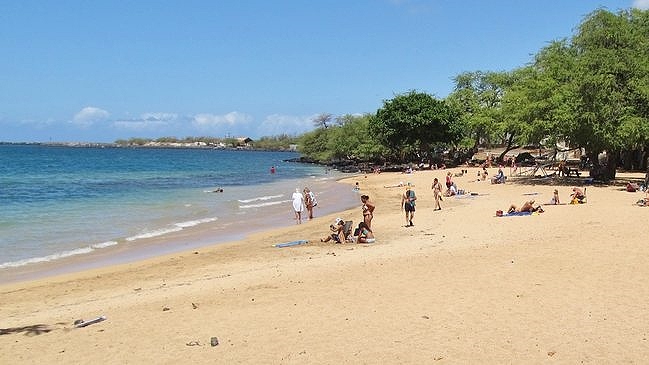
(298, 205)
(437, 193)
(408, 204)
(309, 202)
(368, 210)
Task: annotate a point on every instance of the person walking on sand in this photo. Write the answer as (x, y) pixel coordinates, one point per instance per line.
(437, 193)
(408, 204)
(298, 205)
(368, 210)
(309, 202)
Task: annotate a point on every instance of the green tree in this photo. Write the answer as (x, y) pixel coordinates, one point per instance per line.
(413, 123)
(478, 98)
(611, 82)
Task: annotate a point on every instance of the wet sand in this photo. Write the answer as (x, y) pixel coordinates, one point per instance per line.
(461, 286)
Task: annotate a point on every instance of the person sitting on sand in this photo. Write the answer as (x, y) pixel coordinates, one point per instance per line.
(555, 198)
(577, 196)
(365, 234)
(499, 178)
(338, 232)
(452, 190)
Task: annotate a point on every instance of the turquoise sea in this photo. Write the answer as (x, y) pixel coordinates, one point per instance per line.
(63, 202)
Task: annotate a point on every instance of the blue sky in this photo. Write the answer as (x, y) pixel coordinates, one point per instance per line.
(98, 71)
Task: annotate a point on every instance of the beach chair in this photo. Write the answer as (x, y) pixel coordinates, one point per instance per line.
(347, 229)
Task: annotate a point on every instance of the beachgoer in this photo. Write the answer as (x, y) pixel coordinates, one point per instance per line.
(485, 173)
(357, 187)
(272, 169)
(449, 180)
(528, 206)
(337, 229)
(408, 204)
(499, 178)
(368, 210)
(298, 205)
(309, 202)
(577, 196)
(452, 190)
(555, 198)
(437, 193)
(365, 234)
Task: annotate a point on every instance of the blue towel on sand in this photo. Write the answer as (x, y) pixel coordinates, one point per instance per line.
(513, 214)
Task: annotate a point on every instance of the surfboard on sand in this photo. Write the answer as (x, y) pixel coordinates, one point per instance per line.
(292, 243)
(81, 323)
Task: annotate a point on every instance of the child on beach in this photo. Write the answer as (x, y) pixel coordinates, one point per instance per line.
(555, 198)
(437, 193)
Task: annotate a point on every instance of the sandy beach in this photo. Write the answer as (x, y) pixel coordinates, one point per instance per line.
(462, 286)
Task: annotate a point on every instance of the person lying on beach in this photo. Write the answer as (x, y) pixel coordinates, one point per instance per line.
(400, 184)
(528, 206)
(338, 232)
(365, 234)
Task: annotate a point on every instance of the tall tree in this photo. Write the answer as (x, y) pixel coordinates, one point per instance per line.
(412, 123)
(478, 97)
(611, 82)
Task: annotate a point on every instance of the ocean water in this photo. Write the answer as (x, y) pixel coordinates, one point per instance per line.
(60, 202)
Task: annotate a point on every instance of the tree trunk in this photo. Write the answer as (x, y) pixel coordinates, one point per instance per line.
(606, 169)
(509, 147)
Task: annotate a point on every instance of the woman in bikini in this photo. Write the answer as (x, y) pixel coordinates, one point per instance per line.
(368, 210)
(365, 234)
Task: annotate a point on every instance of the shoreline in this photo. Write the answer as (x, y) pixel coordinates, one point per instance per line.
(193, 238)
(461, 286)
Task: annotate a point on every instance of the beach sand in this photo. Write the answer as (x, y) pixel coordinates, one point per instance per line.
(460, 287)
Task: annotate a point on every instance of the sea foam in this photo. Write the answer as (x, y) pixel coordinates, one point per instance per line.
(263, 204)
(269, 197)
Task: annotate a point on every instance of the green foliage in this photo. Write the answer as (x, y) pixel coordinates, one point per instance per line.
(413, 123)
(347, 139)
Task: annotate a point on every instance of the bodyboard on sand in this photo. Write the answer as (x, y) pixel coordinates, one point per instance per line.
(292, 243)
(82, 323)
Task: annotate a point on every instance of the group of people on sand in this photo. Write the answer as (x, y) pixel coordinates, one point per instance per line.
(341, 231)
(303, 201)
(578, 196)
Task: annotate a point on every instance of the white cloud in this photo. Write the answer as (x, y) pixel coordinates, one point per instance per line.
(89, 115)
(212, 122)
(641, 4)
(159, 117)
(147, 122)
(277, 124)
(139, 125)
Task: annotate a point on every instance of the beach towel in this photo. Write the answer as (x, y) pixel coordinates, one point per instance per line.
(516, 214)
(292, 243)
